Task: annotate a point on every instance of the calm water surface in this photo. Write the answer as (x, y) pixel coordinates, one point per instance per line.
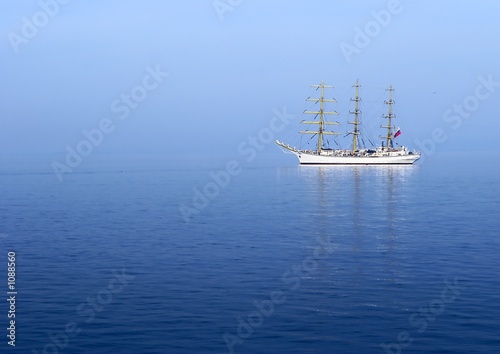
(318, 259)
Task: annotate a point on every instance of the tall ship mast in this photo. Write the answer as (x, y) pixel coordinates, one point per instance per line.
(356, 122)
(321, 113)
(389, 118)
(386, 154)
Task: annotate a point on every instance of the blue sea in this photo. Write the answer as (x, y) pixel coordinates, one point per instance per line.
(154, 254)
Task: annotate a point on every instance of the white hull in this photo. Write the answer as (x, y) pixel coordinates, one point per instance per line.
(381, 157)
(310, 159)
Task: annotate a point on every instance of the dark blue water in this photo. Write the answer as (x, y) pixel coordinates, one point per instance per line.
(283, 259)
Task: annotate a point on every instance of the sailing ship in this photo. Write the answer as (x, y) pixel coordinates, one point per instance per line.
(386, 154)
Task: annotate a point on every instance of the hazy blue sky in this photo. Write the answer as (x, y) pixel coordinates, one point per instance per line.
(226, 76)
